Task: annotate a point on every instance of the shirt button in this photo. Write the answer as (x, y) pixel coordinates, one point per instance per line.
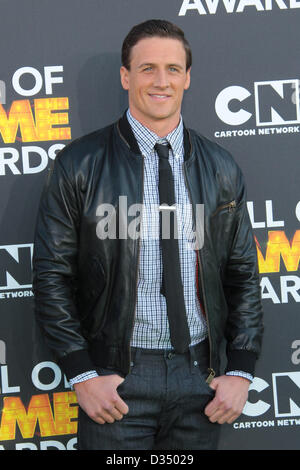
(195, 363)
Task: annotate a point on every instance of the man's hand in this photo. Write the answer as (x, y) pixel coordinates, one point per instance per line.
(99, 398)
(230, 398)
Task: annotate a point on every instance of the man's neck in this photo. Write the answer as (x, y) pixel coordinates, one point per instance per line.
(161, 127)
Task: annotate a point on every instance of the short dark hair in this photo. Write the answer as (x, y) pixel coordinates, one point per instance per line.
(152, 28)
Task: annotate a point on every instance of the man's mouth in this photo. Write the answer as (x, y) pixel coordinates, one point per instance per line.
(157, 96)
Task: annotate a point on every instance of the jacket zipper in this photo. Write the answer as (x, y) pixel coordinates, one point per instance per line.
(230, 205)
(137, 267)
(210, 369)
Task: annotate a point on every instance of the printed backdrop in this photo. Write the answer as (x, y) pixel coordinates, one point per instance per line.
(59, 79)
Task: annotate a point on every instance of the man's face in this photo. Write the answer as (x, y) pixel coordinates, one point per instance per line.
(156, 81)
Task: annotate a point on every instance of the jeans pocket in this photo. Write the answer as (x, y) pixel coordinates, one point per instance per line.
(211, 390)
(127, 378)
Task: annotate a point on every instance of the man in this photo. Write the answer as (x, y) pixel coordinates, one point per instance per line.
(137, 322)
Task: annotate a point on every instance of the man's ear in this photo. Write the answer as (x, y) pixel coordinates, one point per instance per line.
(124, 74)
(188, 79)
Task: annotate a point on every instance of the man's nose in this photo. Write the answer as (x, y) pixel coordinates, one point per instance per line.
(161, 79)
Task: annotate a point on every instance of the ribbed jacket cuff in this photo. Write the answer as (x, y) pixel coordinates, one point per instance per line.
(239, 359)
(76, 363)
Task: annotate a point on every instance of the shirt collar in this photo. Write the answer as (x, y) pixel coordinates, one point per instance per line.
(146, 139)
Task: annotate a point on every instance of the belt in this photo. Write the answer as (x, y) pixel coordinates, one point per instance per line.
(203, 346)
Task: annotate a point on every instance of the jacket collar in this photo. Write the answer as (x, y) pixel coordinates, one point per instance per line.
(128, 135)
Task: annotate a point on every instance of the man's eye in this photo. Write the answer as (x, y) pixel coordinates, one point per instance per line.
(173, 69)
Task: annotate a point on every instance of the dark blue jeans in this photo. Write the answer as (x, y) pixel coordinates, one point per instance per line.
(166, 394)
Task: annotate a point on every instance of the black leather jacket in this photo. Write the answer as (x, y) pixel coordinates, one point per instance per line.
(85, 288)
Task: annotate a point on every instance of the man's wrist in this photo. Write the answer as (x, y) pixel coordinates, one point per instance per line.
(91, 374)
(240, 373)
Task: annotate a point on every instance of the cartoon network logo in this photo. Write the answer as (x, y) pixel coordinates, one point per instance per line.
(268, 103)
(210, 7)
(285, 397)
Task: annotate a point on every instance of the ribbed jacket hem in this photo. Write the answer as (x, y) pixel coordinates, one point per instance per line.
(76, 363)
(241, 360)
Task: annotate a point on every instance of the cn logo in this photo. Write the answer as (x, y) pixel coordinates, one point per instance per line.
(275, 102)
(15, 266)
(286, 395)
(286, 390)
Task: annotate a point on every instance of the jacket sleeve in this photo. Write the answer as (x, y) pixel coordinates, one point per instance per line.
(244, 328)
(55, 268)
